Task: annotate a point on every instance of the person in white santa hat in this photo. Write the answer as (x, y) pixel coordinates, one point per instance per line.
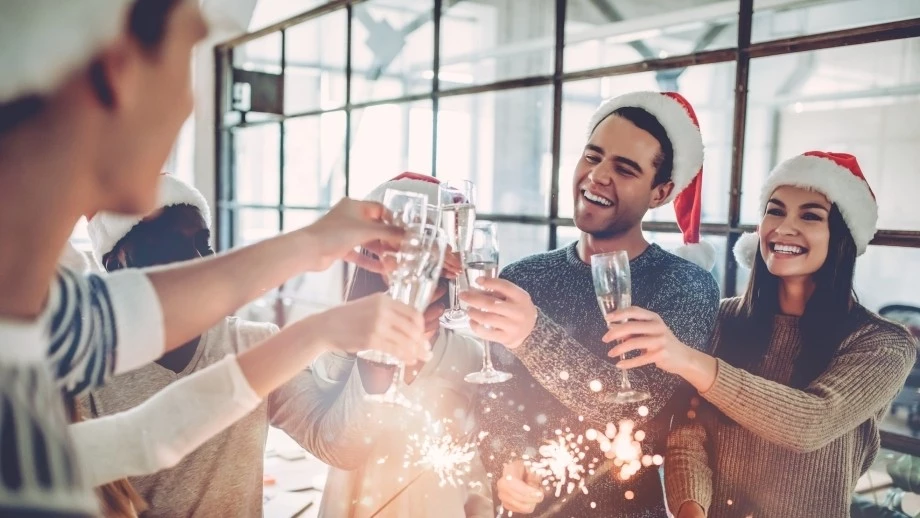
(643, 150)
(193, 410)
(801, 373)
(91, 101)
(369, 446)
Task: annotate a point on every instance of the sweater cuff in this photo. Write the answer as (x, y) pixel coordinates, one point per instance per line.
(536, 338)
(728, 385)
(139, 327)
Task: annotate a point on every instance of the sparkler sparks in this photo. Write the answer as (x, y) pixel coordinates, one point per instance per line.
(562, 463)
(440, 453)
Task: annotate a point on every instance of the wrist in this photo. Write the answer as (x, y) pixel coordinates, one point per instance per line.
(699, 370)
(310, 250)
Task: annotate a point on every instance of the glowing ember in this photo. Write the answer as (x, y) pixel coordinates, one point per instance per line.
(596, 385)
(629, 495)
(563, 375)
(562, 463)
(643, 411)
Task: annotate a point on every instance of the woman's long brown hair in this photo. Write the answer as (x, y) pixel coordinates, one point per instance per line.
(118, 498)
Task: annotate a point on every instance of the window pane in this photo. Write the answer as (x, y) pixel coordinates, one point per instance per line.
(392, 52)
(268, 12)
(254, 225)
(607, 33)
(801, 17)
(314, 77)
(494, 40)
(256, 164)
(502, 142)
(670, 241)
(314, 291)
(261, 54)
(314, 167)
(387, 140)
(709, 88)
(567, 235)
(517, 241)
(861, 99)
(886, 275)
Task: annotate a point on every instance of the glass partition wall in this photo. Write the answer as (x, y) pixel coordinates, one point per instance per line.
(348, 94)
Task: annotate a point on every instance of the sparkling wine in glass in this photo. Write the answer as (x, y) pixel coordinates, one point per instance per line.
(481, 261)
(406, 210)
(612, 285)
(458, 213)
(413, 282)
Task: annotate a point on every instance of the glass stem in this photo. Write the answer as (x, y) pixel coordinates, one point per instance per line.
(454, 295)
(624, 382)
(487, 356)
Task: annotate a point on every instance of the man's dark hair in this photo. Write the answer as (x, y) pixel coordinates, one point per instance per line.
(664, 162)
(147, 22)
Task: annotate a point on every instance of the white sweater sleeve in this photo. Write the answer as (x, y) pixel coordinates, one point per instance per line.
(158, 433)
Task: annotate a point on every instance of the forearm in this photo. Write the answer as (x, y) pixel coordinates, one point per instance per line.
(161, 431)
(325, 411)
(284, 355)
(197, 294)
(565, 368)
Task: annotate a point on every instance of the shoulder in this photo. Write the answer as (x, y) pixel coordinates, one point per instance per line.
(882, 333)
(678, 278)
(534, 265)
(245, 334)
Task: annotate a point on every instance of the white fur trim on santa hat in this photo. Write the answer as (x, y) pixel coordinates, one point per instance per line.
(850, 193)
(684, 134)
(45, 40)
(428, 188)
(106, 229)
(747, 246)
(702, 254)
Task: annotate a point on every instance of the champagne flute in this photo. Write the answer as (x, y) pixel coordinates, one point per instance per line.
(612, 285)
(413, 282)
(481, 261)
(405, 209)
(458, 213)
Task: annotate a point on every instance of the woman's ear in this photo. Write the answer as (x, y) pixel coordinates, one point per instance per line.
(114, 260)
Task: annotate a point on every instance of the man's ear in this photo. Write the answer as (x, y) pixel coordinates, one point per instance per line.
(660, 194)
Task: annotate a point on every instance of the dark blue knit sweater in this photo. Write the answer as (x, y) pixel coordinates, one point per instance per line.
(524, 412)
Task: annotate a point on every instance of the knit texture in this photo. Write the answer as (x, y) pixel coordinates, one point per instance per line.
(757, 447)
(554, 367)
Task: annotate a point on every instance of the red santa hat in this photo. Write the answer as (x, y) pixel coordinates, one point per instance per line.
(679, 120)
(835, 175)
(46, 40)
(106, 229)
(409, 182)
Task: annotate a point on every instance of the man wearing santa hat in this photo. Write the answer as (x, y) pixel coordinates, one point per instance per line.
(643, 150)
(92, 96)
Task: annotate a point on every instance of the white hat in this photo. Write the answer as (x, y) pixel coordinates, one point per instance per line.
(106, 229)
(676, 115)
(42, 41)
(835, 175)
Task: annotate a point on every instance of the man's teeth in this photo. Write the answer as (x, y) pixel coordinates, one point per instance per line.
(788, 249)
(598, 199)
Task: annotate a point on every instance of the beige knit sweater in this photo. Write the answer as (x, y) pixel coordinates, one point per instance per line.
(753, 446)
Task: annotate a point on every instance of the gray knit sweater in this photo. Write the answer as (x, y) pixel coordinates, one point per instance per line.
(524, 412)
(757, 447)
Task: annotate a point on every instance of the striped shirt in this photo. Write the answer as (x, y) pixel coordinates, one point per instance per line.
(72, 348)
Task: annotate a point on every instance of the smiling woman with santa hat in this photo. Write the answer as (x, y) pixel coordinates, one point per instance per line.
(801, 372)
